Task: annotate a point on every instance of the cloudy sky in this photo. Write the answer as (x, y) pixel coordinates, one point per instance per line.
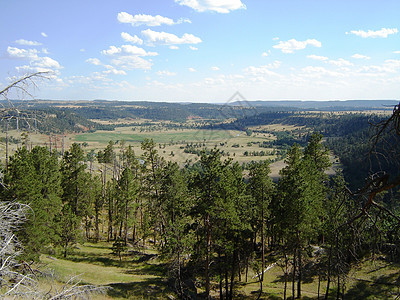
(204, 50)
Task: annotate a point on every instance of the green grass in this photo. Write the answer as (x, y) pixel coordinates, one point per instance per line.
(143, 276)
(186, 135)
(138, 276)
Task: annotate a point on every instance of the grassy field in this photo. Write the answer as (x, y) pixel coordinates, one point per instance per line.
(137, 276)
(143, 276)
(171, 143)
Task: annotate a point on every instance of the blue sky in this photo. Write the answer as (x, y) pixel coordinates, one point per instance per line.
(204, 50)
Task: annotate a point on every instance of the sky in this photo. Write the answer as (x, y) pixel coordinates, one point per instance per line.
(203, 50)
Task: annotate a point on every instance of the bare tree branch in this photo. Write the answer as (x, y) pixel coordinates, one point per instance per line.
(24, 82)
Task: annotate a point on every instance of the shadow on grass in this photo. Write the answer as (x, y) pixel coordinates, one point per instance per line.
(96, 260)
(382, 287)
(149, 269)
(109, 260)
(147, 289)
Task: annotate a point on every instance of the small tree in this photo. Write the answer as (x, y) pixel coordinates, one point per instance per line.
(118, 247)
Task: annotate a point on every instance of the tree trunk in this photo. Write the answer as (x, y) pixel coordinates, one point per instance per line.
(180, 288)
(238, 267)
(126, 223)
(6, 144)
(232, 275)
(329, 274)
(221, 295)
(319, 284)
(294, 272)
(286, 277)
(226, 278)
(262, 244)
(338, 287)
(87, 228)
(247, 267)
(207, 261)
(96, 224)
(299, 276)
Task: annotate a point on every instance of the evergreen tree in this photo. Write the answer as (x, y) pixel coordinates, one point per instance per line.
(33, 178)
(74, 180)
(151, 174)
(302, 189)
(67, 228)
(261, 188)
(75, 196)
(126, 194)
(176, 204)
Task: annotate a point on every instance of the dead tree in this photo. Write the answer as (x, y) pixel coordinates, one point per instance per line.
(385, 145)
(18, 89)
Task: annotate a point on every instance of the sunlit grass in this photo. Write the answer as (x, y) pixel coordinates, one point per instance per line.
(134, 277)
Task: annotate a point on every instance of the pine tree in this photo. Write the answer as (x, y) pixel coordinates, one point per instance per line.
(33, 178)
(74, 180)
(261, 188)
(151, 174)
(126, 193)
(175, 204)
(303, 188)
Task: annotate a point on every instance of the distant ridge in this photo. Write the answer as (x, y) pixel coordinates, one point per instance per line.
(323, 105)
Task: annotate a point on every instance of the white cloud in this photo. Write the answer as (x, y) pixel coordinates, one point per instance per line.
(165, 73)
(183, 20)
(94, 61)
(45, 63)
(127, 49)
(215, 68)
(360, 56)
(112, 50)
(317, 57)
(383, 33)
(110, 69)
(396, 52)
(27, 43)
(148, 20)
(193, 48)
(262, 70)
(341, 62)
(43, 34)
(133, 50)
(115, 72)
(319, 72)
(264, 54)
(392, 64)
(220, 6)
(126, 57)
(22, 53)
(36, 62)
(192, 70)
(131, 39)
(173, 47)
(132, 62)
(291, 45)
(165, 38)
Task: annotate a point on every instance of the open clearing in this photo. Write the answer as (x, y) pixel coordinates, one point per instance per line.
(171, 143)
